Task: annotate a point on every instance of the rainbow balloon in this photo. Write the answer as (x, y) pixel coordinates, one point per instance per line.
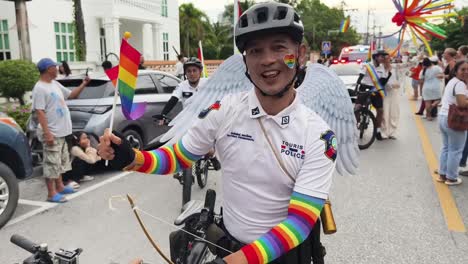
(345, 24)
(415, 15)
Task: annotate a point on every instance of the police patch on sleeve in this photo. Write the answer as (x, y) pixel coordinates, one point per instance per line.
(215, 106)
(331, 144)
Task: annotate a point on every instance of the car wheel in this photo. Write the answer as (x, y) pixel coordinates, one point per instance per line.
(9, 193)
(134, 138)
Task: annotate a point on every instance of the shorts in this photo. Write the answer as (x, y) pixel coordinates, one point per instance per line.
(376, 98)
(56, 158)
(414, 83)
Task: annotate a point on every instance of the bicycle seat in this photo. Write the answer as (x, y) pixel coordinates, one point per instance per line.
(191, 208)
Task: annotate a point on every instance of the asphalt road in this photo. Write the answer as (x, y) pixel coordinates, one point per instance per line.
(392, 212)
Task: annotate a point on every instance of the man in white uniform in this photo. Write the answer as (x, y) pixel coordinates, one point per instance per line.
(365, 82)
(192, 70)
(277, 155)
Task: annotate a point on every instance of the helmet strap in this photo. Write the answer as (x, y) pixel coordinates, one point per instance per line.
(278, 94)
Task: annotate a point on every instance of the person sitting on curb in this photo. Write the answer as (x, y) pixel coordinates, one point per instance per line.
(85, 160)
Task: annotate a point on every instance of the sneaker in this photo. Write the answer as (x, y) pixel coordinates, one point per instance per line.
(74, 185)
(87, 178)
(453, 182)
(441, 178)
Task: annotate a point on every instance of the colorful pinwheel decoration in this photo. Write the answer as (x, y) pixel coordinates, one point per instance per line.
(413, 16)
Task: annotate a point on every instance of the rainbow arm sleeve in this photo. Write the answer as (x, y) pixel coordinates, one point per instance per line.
(303, 212)
(164, 160)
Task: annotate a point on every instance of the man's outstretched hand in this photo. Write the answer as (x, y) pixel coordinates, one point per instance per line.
(115, 148)
(105, 149)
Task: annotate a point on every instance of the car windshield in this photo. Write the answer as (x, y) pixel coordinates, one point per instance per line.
(346, 69)
(96, 89)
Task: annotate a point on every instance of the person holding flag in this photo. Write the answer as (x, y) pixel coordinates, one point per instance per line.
(373, 76)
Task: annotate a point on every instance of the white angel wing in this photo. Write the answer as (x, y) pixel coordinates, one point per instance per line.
(324, 92)
(229, 78)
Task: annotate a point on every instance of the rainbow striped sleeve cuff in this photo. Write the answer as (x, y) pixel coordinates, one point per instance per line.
(303, 212)
(165, 160)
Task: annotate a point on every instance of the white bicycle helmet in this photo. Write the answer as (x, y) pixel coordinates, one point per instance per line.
(268, 17)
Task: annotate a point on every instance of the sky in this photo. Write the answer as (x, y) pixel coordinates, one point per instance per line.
(382, 11)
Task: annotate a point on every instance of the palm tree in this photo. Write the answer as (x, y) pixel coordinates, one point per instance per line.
(193, 25)
(80, 34)
(23, 29)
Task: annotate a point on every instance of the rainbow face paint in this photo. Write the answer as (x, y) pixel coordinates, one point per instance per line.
(290, 60)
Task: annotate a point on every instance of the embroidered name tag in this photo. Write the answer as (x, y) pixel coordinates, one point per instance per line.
(241, 136)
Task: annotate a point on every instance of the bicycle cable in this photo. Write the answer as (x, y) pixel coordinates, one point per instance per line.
(178, 228)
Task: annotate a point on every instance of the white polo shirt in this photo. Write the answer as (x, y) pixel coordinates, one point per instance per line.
(256, 191)
(381, 72)
(184, 90)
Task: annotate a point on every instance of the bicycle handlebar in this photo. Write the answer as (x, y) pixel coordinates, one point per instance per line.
(24, 243)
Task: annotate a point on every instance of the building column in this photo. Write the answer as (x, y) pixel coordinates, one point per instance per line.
(157, 43)
(148, 42)
(112, 30)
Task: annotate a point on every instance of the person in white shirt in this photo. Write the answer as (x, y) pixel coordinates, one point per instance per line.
(391, 105)
(179, 72)
(192, 70)
(365, 82)
(263, 207)
(55, 124)
(453, 141)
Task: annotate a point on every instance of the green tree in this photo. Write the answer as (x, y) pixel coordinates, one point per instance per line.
(80, 35)
(18, 77)
(194, 23)
(457, 34)
(322, 23)
(228, 13)
(218, 44)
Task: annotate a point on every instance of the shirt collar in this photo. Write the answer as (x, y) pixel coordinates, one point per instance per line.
(283, 118)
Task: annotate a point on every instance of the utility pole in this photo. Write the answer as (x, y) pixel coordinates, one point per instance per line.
(380, 39)
(23, 29)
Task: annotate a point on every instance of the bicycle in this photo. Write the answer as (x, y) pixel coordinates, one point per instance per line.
(186, 177)
(366, 121)
(196, 218)
(42, 255)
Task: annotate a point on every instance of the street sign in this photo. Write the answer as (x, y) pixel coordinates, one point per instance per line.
(326, 47)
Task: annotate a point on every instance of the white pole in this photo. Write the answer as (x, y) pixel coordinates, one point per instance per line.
(202, 58)
(236, 17)
(114, 105)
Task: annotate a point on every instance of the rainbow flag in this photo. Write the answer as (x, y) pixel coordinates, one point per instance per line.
(345, 24)
(375, 79)
(113, 74)
(127, 80)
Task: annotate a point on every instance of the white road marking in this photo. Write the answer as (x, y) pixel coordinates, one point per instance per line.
(31, 213)
(98, 185)
(33, 203)
(46, 205)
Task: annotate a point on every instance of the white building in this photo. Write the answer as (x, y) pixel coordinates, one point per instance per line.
(154, 25)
